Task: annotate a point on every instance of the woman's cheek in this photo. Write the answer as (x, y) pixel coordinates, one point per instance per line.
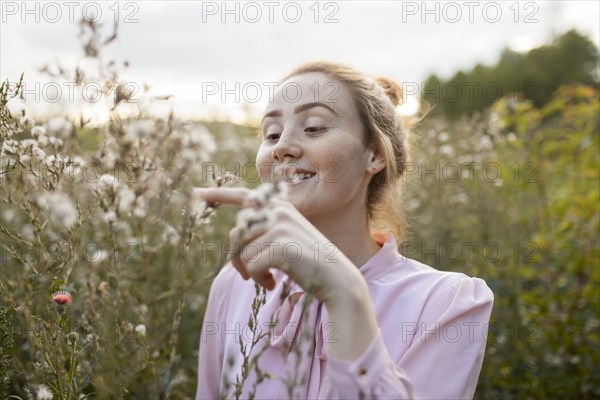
(262, 165)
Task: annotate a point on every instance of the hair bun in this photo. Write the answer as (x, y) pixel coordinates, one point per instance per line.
(391, 89)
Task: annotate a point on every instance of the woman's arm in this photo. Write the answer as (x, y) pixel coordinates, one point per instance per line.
(443, 361)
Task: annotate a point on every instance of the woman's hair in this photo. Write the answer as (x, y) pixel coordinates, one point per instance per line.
(376, 100)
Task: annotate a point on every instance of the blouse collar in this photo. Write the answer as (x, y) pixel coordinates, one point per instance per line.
(383, 261)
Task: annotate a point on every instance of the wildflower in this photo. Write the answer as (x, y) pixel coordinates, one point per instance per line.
(107, 183)
(127, 326)
(55, 161)
(55, 142)
(171, 235)
(138, 130)
(143, 309)
(38, 131)
(72, 170)
(197, 206)
(8, 147)
(260, 196)
(104, 290)
(59, 127)
(141, 329)
(72, 338)
(139, 209)
(25, 121)
(43, 393)
(91, 337)
(126, 198)
(61, 297)
(60, 207)
(109, 216)
(28, 143)
(8, 214)
(39, 134)
(199, 137)
(27, 232)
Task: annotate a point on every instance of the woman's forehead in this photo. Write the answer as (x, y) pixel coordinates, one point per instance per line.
(308, 88)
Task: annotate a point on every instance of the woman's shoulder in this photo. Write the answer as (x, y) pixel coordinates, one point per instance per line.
(389, 264)
(416, 278)
(445, 280)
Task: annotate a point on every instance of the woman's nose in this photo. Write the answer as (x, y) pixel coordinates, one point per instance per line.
(287, 146)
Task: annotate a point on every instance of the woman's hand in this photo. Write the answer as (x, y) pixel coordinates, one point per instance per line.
(280, 237)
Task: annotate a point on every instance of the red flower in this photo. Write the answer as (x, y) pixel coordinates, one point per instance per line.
(61, 297)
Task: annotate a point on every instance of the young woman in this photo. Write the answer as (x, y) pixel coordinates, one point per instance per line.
(345, 315)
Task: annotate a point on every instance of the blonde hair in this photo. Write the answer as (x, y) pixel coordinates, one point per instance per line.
(376, 101)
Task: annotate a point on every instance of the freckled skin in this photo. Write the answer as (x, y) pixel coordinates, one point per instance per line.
(337, 154)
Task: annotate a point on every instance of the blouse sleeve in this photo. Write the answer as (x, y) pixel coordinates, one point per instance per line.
(444, 358)
(210, 356)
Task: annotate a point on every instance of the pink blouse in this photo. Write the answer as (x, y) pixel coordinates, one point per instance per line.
(432, 335)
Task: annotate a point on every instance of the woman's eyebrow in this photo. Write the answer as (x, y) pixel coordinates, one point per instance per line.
(274, 113)
(306, 106)
(300, 108)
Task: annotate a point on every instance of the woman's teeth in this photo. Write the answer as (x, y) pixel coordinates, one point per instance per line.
(297, 177)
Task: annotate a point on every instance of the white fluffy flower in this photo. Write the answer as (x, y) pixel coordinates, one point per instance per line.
(138, 130)
(27, 232)
(60, 207)
(27, 143)
(141, 329)
(171, 235)
(55, 142)
(139, 209)
(38, 131)
(200, 139)
(43, 393)
(73, 169)
(126, 198)
(107, 183)
(199, 136)
(197, 205)
(39, 153)
(8, 147)
(59, 127)
(8, 214)
(55, 161)
(109, 216)
(43, 140)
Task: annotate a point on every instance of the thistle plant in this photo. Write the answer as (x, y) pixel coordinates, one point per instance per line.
(103, 268)
(98, 243)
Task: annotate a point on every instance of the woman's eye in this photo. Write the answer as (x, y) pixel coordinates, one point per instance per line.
(272, 136)
(315, 129)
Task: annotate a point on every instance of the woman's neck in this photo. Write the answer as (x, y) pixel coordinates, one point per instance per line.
(348, 229)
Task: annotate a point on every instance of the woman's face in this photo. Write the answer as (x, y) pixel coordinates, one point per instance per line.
(312, 124)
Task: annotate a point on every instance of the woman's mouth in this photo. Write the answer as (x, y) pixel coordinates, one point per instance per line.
(299, 177)
(294, 176)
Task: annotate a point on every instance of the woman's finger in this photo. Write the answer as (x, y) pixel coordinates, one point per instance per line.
(239, 238)
(256, 260)
(235, 196)
(235, 246)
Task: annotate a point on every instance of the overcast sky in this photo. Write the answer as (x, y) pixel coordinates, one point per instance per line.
(193, 49)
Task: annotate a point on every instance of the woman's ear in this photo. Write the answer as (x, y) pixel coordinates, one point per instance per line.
(376, 160)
